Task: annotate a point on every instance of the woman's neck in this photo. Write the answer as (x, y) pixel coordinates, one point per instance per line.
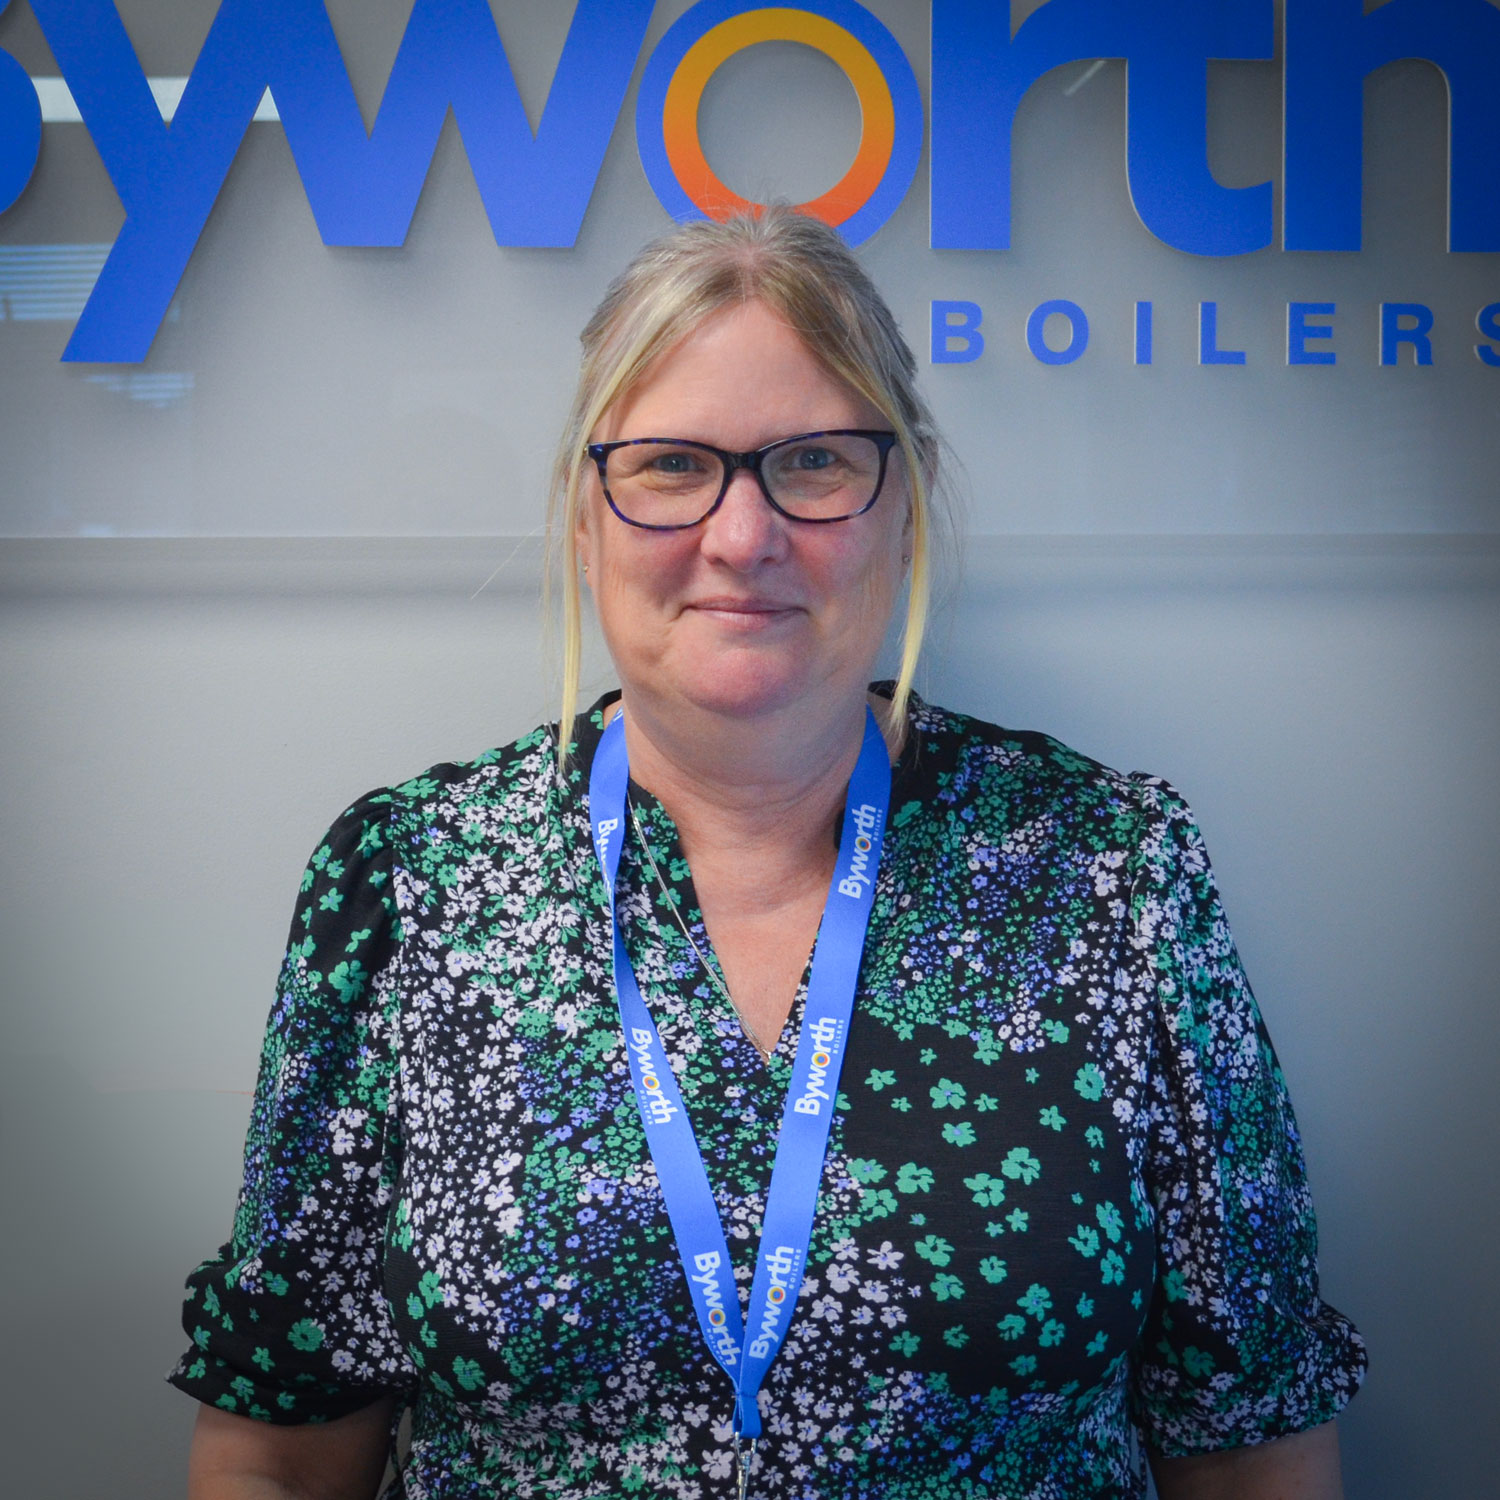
(755, 801)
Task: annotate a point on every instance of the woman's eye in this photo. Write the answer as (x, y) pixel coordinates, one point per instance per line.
(813, 458)
(675, 465)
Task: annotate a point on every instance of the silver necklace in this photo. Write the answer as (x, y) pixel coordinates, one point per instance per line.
(708, 968)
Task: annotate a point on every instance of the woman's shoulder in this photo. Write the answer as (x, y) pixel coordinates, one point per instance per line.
(520, 777)
(998, 779)
(962, 753)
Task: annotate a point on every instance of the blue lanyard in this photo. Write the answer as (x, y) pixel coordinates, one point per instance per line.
(786, 1231)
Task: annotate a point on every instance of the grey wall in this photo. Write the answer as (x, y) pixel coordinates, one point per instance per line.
(1280, 587)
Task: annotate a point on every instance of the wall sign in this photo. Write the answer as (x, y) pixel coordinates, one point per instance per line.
(711, 33)
(362, 187)
(1400, 332)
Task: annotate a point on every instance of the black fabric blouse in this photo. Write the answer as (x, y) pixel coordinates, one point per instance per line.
(1064, 1203)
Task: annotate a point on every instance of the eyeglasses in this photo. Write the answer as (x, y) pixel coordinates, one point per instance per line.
(667, 484)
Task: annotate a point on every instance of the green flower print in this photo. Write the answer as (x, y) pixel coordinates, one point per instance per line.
(988, 1191)
(1089, 1082)
(910, 1178)
(1036, 1300)
(305, 1335)
(450, 1199)
(1020, 1164)
(936, 1249)
(948, 1095)
(1086, 1241)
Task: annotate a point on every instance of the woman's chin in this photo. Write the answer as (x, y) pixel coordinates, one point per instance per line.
(748, 688)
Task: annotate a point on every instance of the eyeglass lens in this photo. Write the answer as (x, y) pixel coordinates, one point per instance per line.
(673, 483)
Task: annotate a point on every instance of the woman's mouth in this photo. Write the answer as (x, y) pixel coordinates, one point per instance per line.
(733, 610)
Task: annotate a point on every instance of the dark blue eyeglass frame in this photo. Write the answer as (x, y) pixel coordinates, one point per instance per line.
(733, 462)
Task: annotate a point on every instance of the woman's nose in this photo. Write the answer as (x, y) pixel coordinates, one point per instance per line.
(744, 531)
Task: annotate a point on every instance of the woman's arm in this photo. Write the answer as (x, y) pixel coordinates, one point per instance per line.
(237, 1458)
(1304, 1466)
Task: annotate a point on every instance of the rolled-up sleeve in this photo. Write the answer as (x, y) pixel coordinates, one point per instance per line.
(1238, 1347)
(288, 1322)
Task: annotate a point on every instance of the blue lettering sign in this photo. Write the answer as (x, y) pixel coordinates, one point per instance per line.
(1331, 47)
(362, 188)
(956, 321)
(1209, 352)
(980, 73)
(1405, 323)
(1488, 323)
(1143, 333)
(20, 128)
(1078, 326)
(1299, 331)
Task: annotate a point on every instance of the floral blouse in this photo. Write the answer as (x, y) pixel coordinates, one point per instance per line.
(1063, 1210)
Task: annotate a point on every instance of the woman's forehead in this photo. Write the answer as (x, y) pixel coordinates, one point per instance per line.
(737, 365)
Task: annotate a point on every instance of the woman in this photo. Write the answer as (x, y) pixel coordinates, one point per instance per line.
(564, 1143)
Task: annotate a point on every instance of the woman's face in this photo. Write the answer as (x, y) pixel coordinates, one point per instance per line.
(747, 612)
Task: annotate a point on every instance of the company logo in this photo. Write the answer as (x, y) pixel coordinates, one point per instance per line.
(824, 1060)
(783, 1264)
(362, 185)
(707, 1270)
(1398, 331)
(659, 1109)
(853, 884)
(602, 832)
(708, 36)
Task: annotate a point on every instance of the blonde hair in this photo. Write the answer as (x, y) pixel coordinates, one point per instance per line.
(804, 272)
